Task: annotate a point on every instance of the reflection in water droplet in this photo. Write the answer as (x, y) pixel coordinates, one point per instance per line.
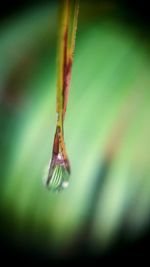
(58, 177)
(58, 174)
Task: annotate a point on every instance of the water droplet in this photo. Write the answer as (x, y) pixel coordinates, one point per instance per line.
(58, 175)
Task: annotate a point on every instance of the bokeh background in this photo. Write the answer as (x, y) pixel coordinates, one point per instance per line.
(106, 209)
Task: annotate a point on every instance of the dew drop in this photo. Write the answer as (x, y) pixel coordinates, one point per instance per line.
(58, 175)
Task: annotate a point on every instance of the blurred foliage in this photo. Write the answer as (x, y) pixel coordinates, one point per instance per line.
(106, 128)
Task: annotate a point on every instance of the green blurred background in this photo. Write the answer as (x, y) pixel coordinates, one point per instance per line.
(106, 129)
